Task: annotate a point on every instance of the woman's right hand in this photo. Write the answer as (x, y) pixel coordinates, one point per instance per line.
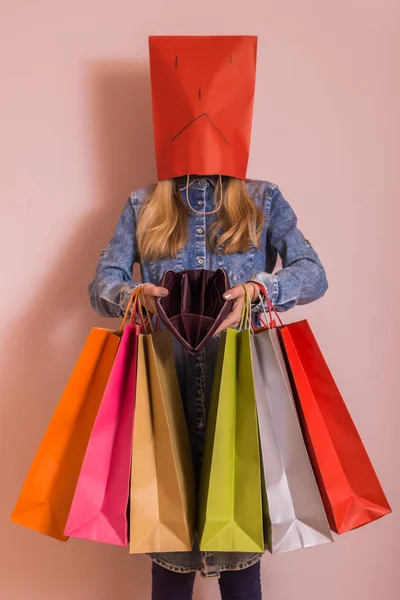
(150, 293)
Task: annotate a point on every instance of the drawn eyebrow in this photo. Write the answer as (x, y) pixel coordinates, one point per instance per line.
(176, 62)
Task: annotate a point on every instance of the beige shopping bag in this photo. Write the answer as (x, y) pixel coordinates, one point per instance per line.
(163, 497)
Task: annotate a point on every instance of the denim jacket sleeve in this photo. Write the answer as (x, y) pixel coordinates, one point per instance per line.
(302, 278)
(112, 286)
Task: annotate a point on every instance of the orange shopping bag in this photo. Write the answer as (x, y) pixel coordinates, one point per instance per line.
(47, 494)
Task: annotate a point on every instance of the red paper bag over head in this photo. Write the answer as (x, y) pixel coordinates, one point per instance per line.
(203, 95)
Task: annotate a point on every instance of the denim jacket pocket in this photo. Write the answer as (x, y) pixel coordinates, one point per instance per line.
(238, 265)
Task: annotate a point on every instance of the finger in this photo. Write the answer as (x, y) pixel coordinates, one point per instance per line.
(153, 290)
(234, 317)
(236, 292)
(149, 303)
(160, 291)
(226, 325)
(253, 290)
(232, 320)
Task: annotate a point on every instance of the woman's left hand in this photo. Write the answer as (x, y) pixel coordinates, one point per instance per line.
(237, 294)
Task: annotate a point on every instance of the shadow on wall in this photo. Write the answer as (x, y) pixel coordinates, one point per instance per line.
(44, 345)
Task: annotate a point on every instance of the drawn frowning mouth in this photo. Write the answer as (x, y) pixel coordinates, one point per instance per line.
(196, 119)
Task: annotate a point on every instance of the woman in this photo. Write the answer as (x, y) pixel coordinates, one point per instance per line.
(207, 222)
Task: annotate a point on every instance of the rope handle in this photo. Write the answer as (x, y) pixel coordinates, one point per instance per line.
(142, 318)
(132, 300)
(137, 300)
(245, 321)
(263, 295)
(199, 212)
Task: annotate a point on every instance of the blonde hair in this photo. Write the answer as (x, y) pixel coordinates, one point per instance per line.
(162, 228)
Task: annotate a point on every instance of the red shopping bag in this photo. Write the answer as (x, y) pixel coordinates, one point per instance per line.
(348, 484)
(347, 481)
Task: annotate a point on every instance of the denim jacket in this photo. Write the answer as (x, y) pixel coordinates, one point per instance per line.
(301, 280)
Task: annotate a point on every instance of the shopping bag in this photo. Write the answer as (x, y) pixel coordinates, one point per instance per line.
(231, 507)
(98, 510)
(296, 514)
(47, 493)
(163, 497)
(203, 94)
(349, 486)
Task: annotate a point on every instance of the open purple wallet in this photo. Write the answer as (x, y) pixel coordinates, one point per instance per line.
(194, 308)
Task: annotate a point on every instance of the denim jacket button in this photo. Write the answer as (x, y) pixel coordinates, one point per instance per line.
(200, 230)
(200, 261)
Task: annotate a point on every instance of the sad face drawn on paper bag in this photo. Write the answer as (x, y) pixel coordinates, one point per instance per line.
(203, 91)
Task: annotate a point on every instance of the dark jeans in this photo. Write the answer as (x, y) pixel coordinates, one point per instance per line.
(234, 585)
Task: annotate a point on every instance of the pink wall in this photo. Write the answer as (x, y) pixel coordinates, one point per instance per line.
(76, 137)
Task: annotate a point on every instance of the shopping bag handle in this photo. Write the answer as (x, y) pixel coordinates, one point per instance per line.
(263, 295)
(140, 310)
(245, 321)
(132, 300)
(136, 310)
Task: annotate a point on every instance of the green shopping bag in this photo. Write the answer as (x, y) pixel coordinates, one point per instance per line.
(230, 505)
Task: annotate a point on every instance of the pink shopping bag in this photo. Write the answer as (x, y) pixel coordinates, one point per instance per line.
(99, 507)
